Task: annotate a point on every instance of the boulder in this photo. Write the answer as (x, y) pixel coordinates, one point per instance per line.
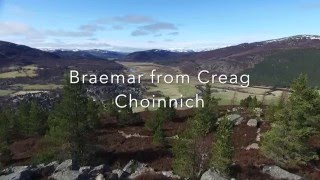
(252, 123)
(170, 174)
(132, 166)
(100, 177)
(66, 175)
(279, 173)
(85, 169)
(120, 173)
(238, 121)
(141, 170)
(235, 118)
(17, 173)
(65, 165)
(98, 170)
(212, 174)
(45, 170)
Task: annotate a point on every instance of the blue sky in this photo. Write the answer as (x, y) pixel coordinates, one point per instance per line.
(129, 25)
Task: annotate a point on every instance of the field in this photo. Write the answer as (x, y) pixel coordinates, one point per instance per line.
(6, 92)
(20, 89)
(27, 87)
(24, 71)
(227, 93)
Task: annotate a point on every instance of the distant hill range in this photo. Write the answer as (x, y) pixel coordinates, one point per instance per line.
(94, 54)
(272, 62)
(14, 54)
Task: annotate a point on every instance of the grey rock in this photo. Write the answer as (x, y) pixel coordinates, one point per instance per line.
(111, 176)
(252, 146)
(66, 175)
(130, 167)
(85, 169)
(279, 173)
(117, 172)
(258, 138)
(17, 173)
(98, 170)
(212, 174)
(43, 169)
(252, 123)
(141, 170)
(170, 174)
(100, 177)
(238, 121)
(65, 165)
(233, 117)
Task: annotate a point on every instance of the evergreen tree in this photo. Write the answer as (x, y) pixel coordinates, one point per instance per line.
(158, 136)
(221, 157)
(126, 115)
(169, 110)
(93, 111)
(111, 108)
(205, 117)
(250, 102)
(6, 126)
(6, 133)
(156, 120)
(184, 162)
(286, 142)
(23, 125)
(71, 122)
(37, 120)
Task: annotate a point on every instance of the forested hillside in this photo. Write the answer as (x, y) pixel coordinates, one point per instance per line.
(281, 68)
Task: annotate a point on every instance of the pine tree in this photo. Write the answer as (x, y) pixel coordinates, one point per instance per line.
(158, 136)
(92, 117)
(6, 133)
(205, 117)
(38, 124)
(157, 119)
(169, 110)
(286, 142)
(110, 108)
(23, 125)
(126, 115)
(6, 125)
(221, 157)
(184, 162)
(70, 122)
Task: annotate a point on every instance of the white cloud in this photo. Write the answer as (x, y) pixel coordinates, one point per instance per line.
(14, 28)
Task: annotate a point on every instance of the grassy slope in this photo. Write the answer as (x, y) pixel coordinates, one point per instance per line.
(281, 68)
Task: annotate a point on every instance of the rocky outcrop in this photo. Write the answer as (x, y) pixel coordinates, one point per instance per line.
(17, 173)
(63, 171)
(279, 173)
